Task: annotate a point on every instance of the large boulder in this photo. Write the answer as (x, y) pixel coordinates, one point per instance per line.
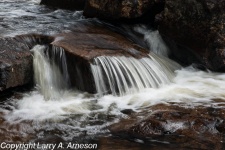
(88, 41)
(189, 128)
(65, 4)
(82, 45)
(194, 29)
(123, 9)
(16, 59)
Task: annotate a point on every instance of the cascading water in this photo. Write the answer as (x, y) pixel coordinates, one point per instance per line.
(153, 40)
(54, 113)
(125, 75)
(49, 78)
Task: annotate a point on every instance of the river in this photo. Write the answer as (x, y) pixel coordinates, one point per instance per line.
(50, 113)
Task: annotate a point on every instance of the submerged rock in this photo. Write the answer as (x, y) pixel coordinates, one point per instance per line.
(65, 4)
(16, 59)
(195, 31)
(123, 9)
(199, 127)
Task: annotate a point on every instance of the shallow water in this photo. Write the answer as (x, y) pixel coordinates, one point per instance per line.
(27, 16)
(82, 117)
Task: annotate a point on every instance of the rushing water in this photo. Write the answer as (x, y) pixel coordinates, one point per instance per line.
(129, 75)
(50, 81)
(52, 113)
(27, 16)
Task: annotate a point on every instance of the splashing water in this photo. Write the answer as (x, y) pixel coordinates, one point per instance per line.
(154, 79)
(140, 82)
(190, 86)
(74, 113)
(53, 110)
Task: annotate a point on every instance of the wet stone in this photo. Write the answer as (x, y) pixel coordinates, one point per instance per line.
(88, 41)
(196, 126)
(195, 32)
(16, 61)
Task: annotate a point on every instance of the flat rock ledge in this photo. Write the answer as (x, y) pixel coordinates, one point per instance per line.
(86, 42)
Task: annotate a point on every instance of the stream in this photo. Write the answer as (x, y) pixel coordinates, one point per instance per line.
(50, 112)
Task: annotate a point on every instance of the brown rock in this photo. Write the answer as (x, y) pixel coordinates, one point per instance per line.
(195, 31)
(16, 59)
(87, 42)
(123, 9)
(65, 4)
(200, 127)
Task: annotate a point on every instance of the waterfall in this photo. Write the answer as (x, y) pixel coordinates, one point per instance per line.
(116, 75)
(124, 75)
(50, 71)
(153, 40)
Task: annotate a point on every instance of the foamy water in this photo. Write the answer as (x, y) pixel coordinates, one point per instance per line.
(52, 110)
(190, 86)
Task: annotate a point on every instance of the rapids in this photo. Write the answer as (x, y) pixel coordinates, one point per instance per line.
(52, 112)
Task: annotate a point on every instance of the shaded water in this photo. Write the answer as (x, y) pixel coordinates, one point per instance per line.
(51, 113)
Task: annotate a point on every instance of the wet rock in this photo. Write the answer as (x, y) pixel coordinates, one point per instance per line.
(88, 41)
(195, 31)
(199, 127)
(15, 64)
(16, 67)
(65, 4)
(145, 10)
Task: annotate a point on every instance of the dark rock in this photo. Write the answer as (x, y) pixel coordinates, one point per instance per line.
(16, 67)
(199, 127)
(195, 31)
(15, 64)
(124, 10)
(88, 41)
(65, 4)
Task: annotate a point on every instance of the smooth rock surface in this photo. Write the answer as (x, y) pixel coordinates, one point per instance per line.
(88, 41)
(195, 31)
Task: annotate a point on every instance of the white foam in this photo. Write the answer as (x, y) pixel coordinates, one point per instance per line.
(34, 106)
(190, 86)
(173, 126)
